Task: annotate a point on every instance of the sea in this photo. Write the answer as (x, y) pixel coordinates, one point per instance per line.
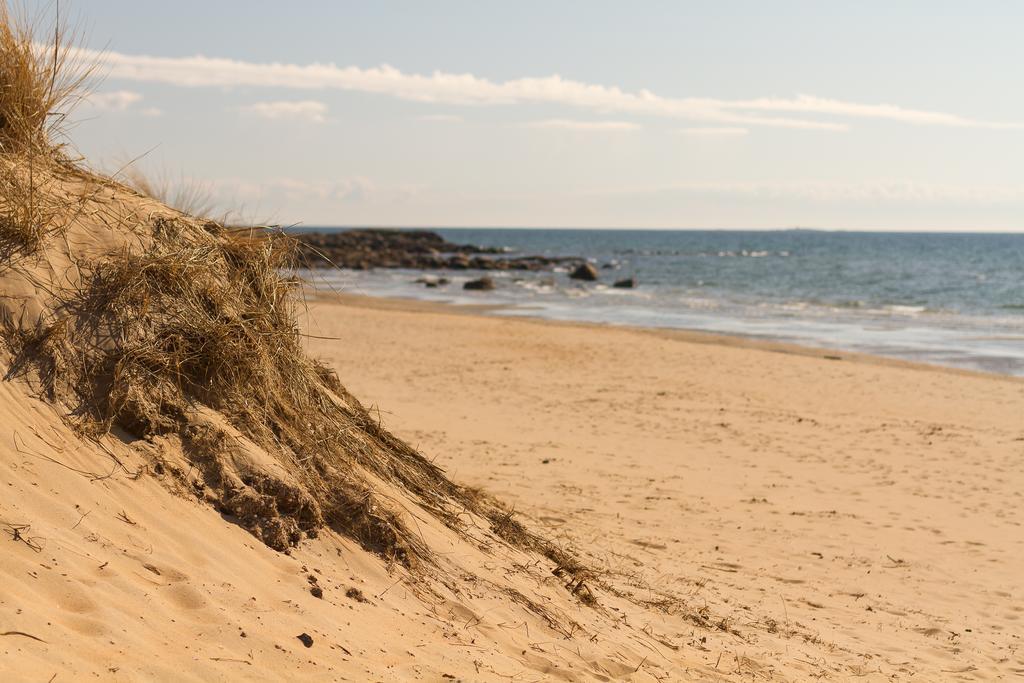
(951, 299)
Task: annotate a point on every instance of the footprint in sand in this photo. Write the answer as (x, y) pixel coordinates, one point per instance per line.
(185, 596)
(173, 586)
(75, 600)
(86, 626)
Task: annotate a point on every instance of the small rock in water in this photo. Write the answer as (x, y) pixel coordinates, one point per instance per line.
(584, 271)
(428, 281)
(484, 283)
(628, 283)
(306, 639)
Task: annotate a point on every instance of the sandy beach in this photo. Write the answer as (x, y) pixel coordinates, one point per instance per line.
(556, 443)
(749, 511)
(871, 508)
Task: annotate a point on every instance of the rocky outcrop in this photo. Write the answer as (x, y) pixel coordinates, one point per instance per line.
(413, 249)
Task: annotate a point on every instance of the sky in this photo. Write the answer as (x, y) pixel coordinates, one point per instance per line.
(725, 114)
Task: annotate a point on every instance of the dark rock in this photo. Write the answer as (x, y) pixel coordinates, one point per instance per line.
(628, 283)
(306, 639)
(418, 249)
(584, 271)
(317, 592)
(484, 283)
(431, 282)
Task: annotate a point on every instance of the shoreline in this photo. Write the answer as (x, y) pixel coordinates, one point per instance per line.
(692, 336)
(823, 291)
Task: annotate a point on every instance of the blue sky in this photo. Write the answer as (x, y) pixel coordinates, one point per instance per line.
(867, 115)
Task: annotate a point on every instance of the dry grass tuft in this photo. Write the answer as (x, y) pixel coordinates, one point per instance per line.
(187, 195)
(209, 321)
(206, 319)
(30, 209)
(41, 78)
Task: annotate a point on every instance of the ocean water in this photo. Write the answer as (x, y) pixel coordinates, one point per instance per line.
(949, 299)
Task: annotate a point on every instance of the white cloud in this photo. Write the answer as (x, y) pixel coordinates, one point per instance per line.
(865, 192)
(304, 110)
(468, 89)
(440, 118)
(714, 132)
(118, 100)
(589, 126)
(809, 104)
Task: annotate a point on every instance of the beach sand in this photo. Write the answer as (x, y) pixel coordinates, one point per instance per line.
(753, 512)
(846, 515)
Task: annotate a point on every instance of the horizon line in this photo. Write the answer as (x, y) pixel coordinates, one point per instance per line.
(924, 231)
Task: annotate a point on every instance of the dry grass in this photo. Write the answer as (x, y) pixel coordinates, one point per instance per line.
(27, 215)
(41, 79)
(187, 195)
(206, 319)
